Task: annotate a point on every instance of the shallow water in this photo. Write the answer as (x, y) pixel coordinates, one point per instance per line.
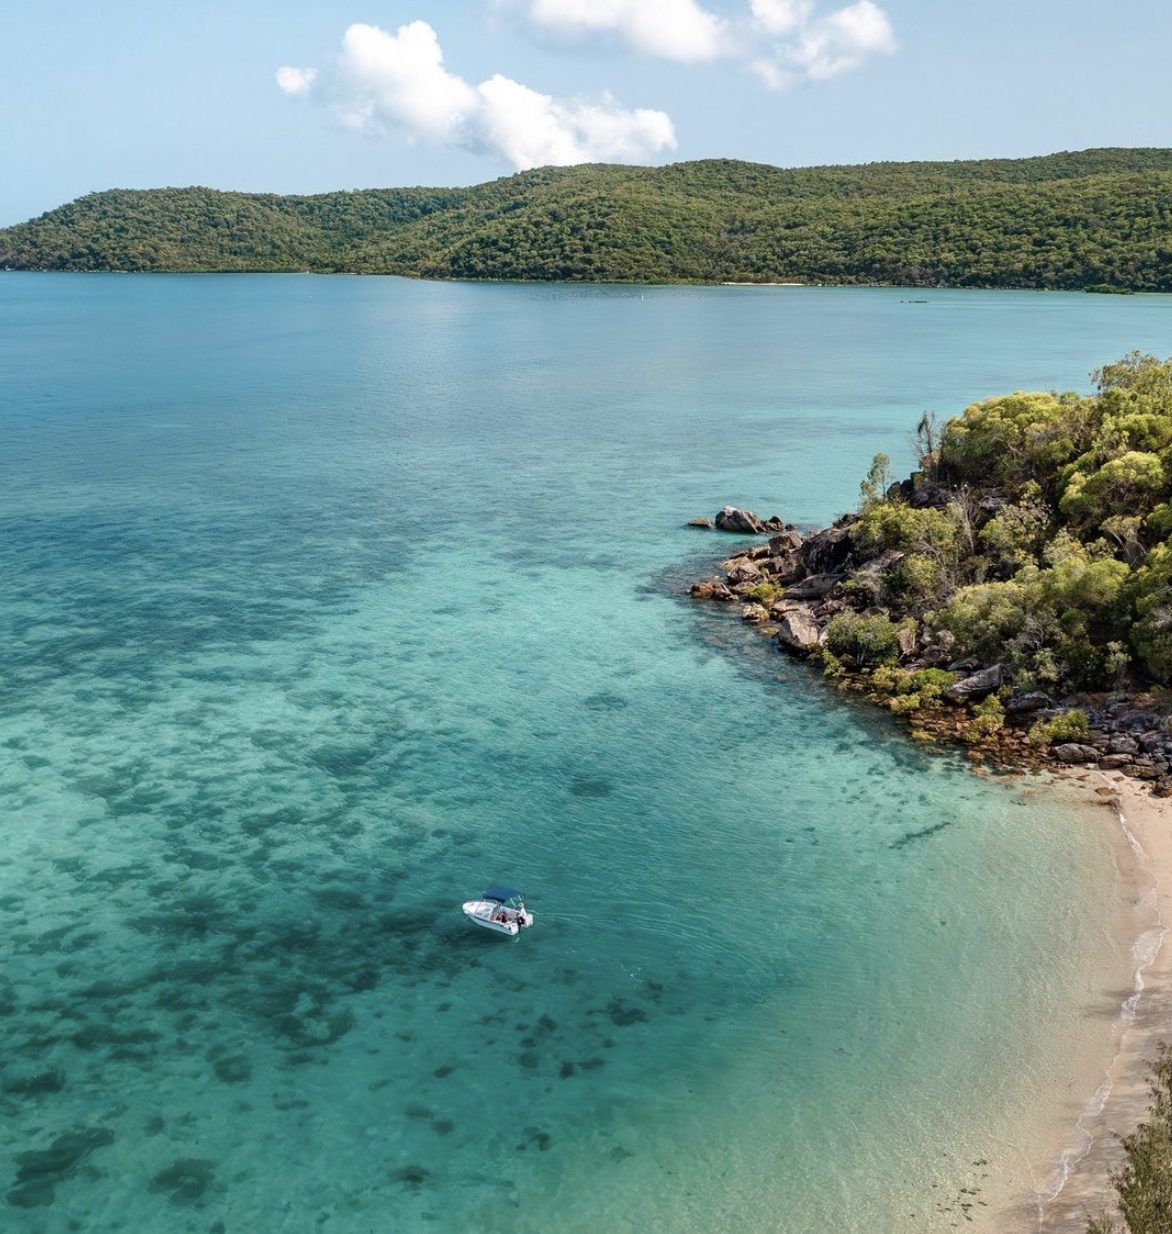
(329, 601)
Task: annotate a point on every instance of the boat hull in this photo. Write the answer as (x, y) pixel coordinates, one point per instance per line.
(493, 916)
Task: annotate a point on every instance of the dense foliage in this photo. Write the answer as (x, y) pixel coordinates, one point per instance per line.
(1144, 1183)
(1099, 219)
(1038, 535)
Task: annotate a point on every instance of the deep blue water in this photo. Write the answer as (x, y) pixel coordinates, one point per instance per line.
(329, 601)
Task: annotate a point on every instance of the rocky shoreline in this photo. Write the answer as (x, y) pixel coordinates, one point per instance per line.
(791, 586)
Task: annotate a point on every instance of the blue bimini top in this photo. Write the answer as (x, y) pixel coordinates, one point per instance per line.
(501, 894)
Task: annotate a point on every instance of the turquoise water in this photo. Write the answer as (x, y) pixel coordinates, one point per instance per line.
(329, 601)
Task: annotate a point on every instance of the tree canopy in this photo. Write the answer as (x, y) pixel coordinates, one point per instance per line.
(1098, 219)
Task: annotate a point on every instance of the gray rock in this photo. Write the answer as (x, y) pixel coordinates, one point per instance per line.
(814, 587)
(785, 568)
(799, 630)
(1123, 745)
(754, 614)
(1072, 752)
(1031, 700)
(745, 572)
(700, 522)
(743, 522)
(788, 541)
(826, 552)
(1109, 762)
(979, 685)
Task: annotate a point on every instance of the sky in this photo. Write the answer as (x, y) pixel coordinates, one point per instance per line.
(304, 96)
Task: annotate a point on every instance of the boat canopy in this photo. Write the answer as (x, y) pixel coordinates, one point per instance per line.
(501, 894)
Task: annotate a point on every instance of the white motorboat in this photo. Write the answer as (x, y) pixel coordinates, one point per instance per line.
(501, 909)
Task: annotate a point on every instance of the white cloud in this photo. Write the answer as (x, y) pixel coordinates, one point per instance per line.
(674, 29)
(397, 82)
(531, 130)
(295, 81)
(783, 41)
(782, 16)
(818, 48)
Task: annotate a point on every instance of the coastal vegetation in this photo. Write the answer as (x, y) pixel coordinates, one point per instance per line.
(1098, 220)
(1015, 592)
(1143, 1184)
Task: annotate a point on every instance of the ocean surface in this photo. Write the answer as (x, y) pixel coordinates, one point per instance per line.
(326, 602)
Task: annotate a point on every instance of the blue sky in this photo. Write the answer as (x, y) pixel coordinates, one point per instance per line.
(310, 95)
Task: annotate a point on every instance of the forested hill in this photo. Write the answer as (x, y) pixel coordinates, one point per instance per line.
(1098, 218)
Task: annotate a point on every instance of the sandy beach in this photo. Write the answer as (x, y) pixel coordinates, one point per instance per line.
(1116, 1086)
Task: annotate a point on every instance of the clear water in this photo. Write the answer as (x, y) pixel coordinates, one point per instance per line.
(327, 602)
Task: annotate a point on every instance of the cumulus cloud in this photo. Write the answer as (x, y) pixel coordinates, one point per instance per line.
(397, 82)
(674, 29)
(783, 41)
(295, 81)
(805, 46)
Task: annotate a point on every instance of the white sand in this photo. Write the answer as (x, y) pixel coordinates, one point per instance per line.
(1119, 1083)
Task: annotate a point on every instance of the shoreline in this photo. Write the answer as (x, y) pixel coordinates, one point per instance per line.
(1114, 1083)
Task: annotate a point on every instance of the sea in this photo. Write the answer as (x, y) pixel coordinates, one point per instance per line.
(327, 602)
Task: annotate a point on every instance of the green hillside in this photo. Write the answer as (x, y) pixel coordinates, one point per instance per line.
(1099, 218)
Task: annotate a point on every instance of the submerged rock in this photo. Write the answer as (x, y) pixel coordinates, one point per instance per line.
(39, 1171)
(185, 1181)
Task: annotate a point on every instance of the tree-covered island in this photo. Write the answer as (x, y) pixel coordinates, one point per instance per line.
(1014, 593)
(1093, 220)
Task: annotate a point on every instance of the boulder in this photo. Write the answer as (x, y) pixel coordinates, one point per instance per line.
(1123, 745)
(789, 541)
(1112, 762)
(754, 614)
(978, 686)
(702, 591)
(745, 572)
(814, 587)
(799, 630)
(785, 568)
(700, 522)
(826, 552)
(1072, 752)
(1031, 700)
(743, 522)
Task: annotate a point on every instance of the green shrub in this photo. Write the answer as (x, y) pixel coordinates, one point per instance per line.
(1144, 1183)
(1069, 726)
(765, 593)
(869, 640)
(988, 720)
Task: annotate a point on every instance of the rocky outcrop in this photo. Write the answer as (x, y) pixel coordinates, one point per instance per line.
(827, 552)
(798, 628)
(1030, 700)
(978, 686)
(1073, 752)
(745, 522)
(792, 586)
(813, 587)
